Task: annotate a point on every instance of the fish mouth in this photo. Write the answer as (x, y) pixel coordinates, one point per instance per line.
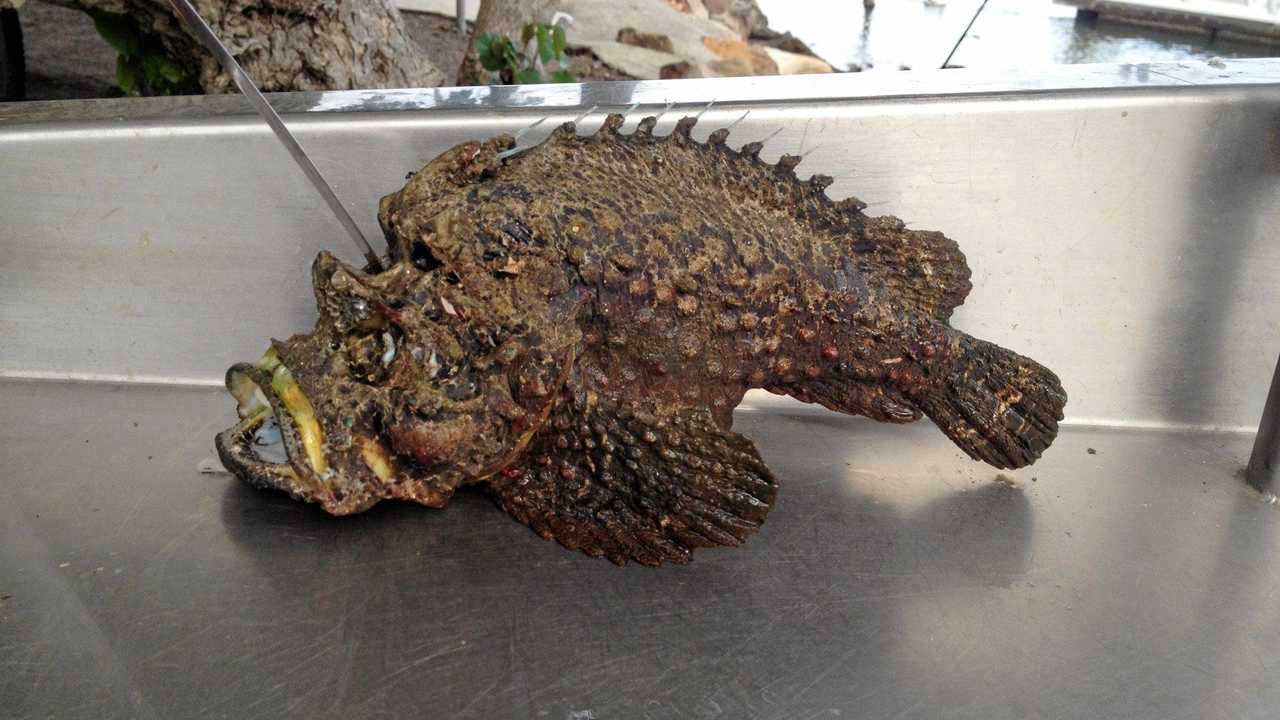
(278, 442)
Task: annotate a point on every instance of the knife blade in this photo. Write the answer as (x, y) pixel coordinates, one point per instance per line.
(203, 33)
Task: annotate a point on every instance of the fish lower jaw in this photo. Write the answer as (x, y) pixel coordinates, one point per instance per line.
(258, 412)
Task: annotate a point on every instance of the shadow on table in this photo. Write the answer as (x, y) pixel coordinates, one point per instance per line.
(517, 626)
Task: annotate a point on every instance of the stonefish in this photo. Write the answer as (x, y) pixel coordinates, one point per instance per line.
(572, 324)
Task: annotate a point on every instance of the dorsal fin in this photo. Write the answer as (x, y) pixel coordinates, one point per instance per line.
(786, 164)
(926, 270)
(684, 126)
(646, 125)
(611, 123)
(851, 206)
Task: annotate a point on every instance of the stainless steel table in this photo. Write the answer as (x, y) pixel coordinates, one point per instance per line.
(1121, 222)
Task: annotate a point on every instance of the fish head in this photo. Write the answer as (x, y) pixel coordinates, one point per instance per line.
(411, 384)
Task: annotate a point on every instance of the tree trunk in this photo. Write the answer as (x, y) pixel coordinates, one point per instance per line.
(502, 17)
(287, 44)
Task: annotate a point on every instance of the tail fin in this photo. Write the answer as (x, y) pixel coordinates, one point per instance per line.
(997, 405)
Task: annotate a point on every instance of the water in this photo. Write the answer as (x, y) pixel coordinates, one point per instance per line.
(908, 33)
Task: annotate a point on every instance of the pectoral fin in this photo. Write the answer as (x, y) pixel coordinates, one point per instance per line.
(643, 482)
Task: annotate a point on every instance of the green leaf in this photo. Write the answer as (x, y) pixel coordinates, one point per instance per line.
(118, 31)
(545, 50)
(490, 48)
(527, 34)
(162, 75)
(151, 69)
(558, 41)
(172, 71)
(511, 57)
(562, 76)
(528, 76)
(484, 50)
(128, 75)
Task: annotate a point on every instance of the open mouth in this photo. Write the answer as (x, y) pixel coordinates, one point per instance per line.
(278, 441)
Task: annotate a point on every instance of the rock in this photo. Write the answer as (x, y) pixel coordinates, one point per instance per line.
(678, 71)
(652, 41)
(782, 41)
(789, 63)
(331, 45)
(695, 8)
(741, 16)
(736, 57)
(584, 63)
(596, 26)
(671, 39)
(637, 62)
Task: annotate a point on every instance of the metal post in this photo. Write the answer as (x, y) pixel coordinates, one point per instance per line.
(1264, 463)
(462, 15)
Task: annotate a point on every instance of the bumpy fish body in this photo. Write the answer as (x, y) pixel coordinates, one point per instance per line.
(573, 325)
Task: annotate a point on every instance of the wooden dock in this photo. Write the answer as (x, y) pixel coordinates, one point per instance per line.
(1251, 21)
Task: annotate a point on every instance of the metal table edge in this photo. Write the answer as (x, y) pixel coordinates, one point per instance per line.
(882, 86)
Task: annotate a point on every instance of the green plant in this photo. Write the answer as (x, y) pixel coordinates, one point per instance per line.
(508, 62)
(143, 66)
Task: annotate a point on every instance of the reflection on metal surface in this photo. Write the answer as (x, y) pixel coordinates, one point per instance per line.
(1123, 233)
(895, 578)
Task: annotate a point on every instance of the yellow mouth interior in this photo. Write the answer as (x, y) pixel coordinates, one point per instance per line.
(299, 409)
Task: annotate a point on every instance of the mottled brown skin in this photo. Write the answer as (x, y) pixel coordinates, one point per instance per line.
(574, 325)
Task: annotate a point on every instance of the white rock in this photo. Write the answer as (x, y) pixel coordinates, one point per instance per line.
(790, 63)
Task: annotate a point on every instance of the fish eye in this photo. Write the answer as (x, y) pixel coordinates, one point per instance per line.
(422, 257)
(360, 317)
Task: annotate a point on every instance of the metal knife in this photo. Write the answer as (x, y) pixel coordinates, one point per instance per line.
(205, 35)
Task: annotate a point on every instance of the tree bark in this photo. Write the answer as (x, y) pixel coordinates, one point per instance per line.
(502, 17)
(288, 44)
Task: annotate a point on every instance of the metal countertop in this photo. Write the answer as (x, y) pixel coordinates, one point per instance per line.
(895, 578)
(1121, 222)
